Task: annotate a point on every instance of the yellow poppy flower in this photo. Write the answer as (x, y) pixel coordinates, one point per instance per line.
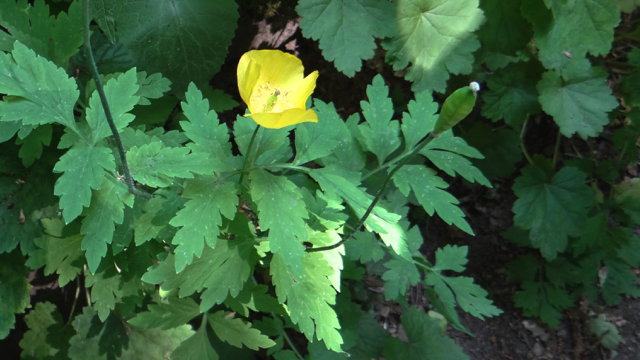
(273, 86)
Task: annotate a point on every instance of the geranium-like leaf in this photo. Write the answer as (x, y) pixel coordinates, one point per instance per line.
(434, 47)
(575, 28)
(578, 98)
(346, 29)
(166, 45)
(552, 208)
(512, 93)
(426, 340)
(504, 22)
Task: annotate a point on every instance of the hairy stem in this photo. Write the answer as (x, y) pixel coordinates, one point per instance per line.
(364, 217)
(86, 19)
(247, 155)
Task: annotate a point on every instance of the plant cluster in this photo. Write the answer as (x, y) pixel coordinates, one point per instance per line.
(198, 239)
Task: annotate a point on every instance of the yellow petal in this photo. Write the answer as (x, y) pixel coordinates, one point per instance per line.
(248, 74)
(280, 70)
(302, 90)
(283, 119)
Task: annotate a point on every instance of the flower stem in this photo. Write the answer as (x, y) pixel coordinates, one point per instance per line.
(524, 149)
(364, 217)
(248, 154)
(86, 19)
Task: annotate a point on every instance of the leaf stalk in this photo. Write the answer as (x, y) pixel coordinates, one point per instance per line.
(86, 19)
(404, 161)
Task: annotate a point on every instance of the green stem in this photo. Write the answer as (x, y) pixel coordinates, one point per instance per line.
(364, 217)
(247, 155)
(286, 337)
(384, 166)
(86, 19)
(524, 150)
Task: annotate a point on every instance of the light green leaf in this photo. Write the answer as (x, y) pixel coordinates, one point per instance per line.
(426, 340)
(436, 37)
(167, 315)
(504, 22)
(14, 290)
(42, 321)
(364, 338)
(151, 87)
(112, 340)
(420, 120)
(316, 140)
(31, 198)
(38, 91)
(83, 170)
(381, 134)
(399, 277)
(32, 145)
(543, 300)
(512, 93)
(552, 208)
(607, 332)
(578, 98)
(446, 141)
(56, 37)
(203, 128)
(8, 129)
(121, 97)
(236, 332)
(256, 298)
(154, 222)
(196, 347)
(166, 45)
(308, 297)
(452, 258)
(348, 154)
(629, 82)
(221, 271)
(106, 210)
(219, 101)
(628, 5)
(428, 188)
(364, 247)
(346, 29)
(381, 221)
(200, 218)
(575, 27)
(156, 165)
(333, 257)
(106, 288)
(269, 146)
(452, 163)
(282, 212)
(61, 255)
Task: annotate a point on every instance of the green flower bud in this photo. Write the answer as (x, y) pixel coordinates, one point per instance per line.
(457, 106)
